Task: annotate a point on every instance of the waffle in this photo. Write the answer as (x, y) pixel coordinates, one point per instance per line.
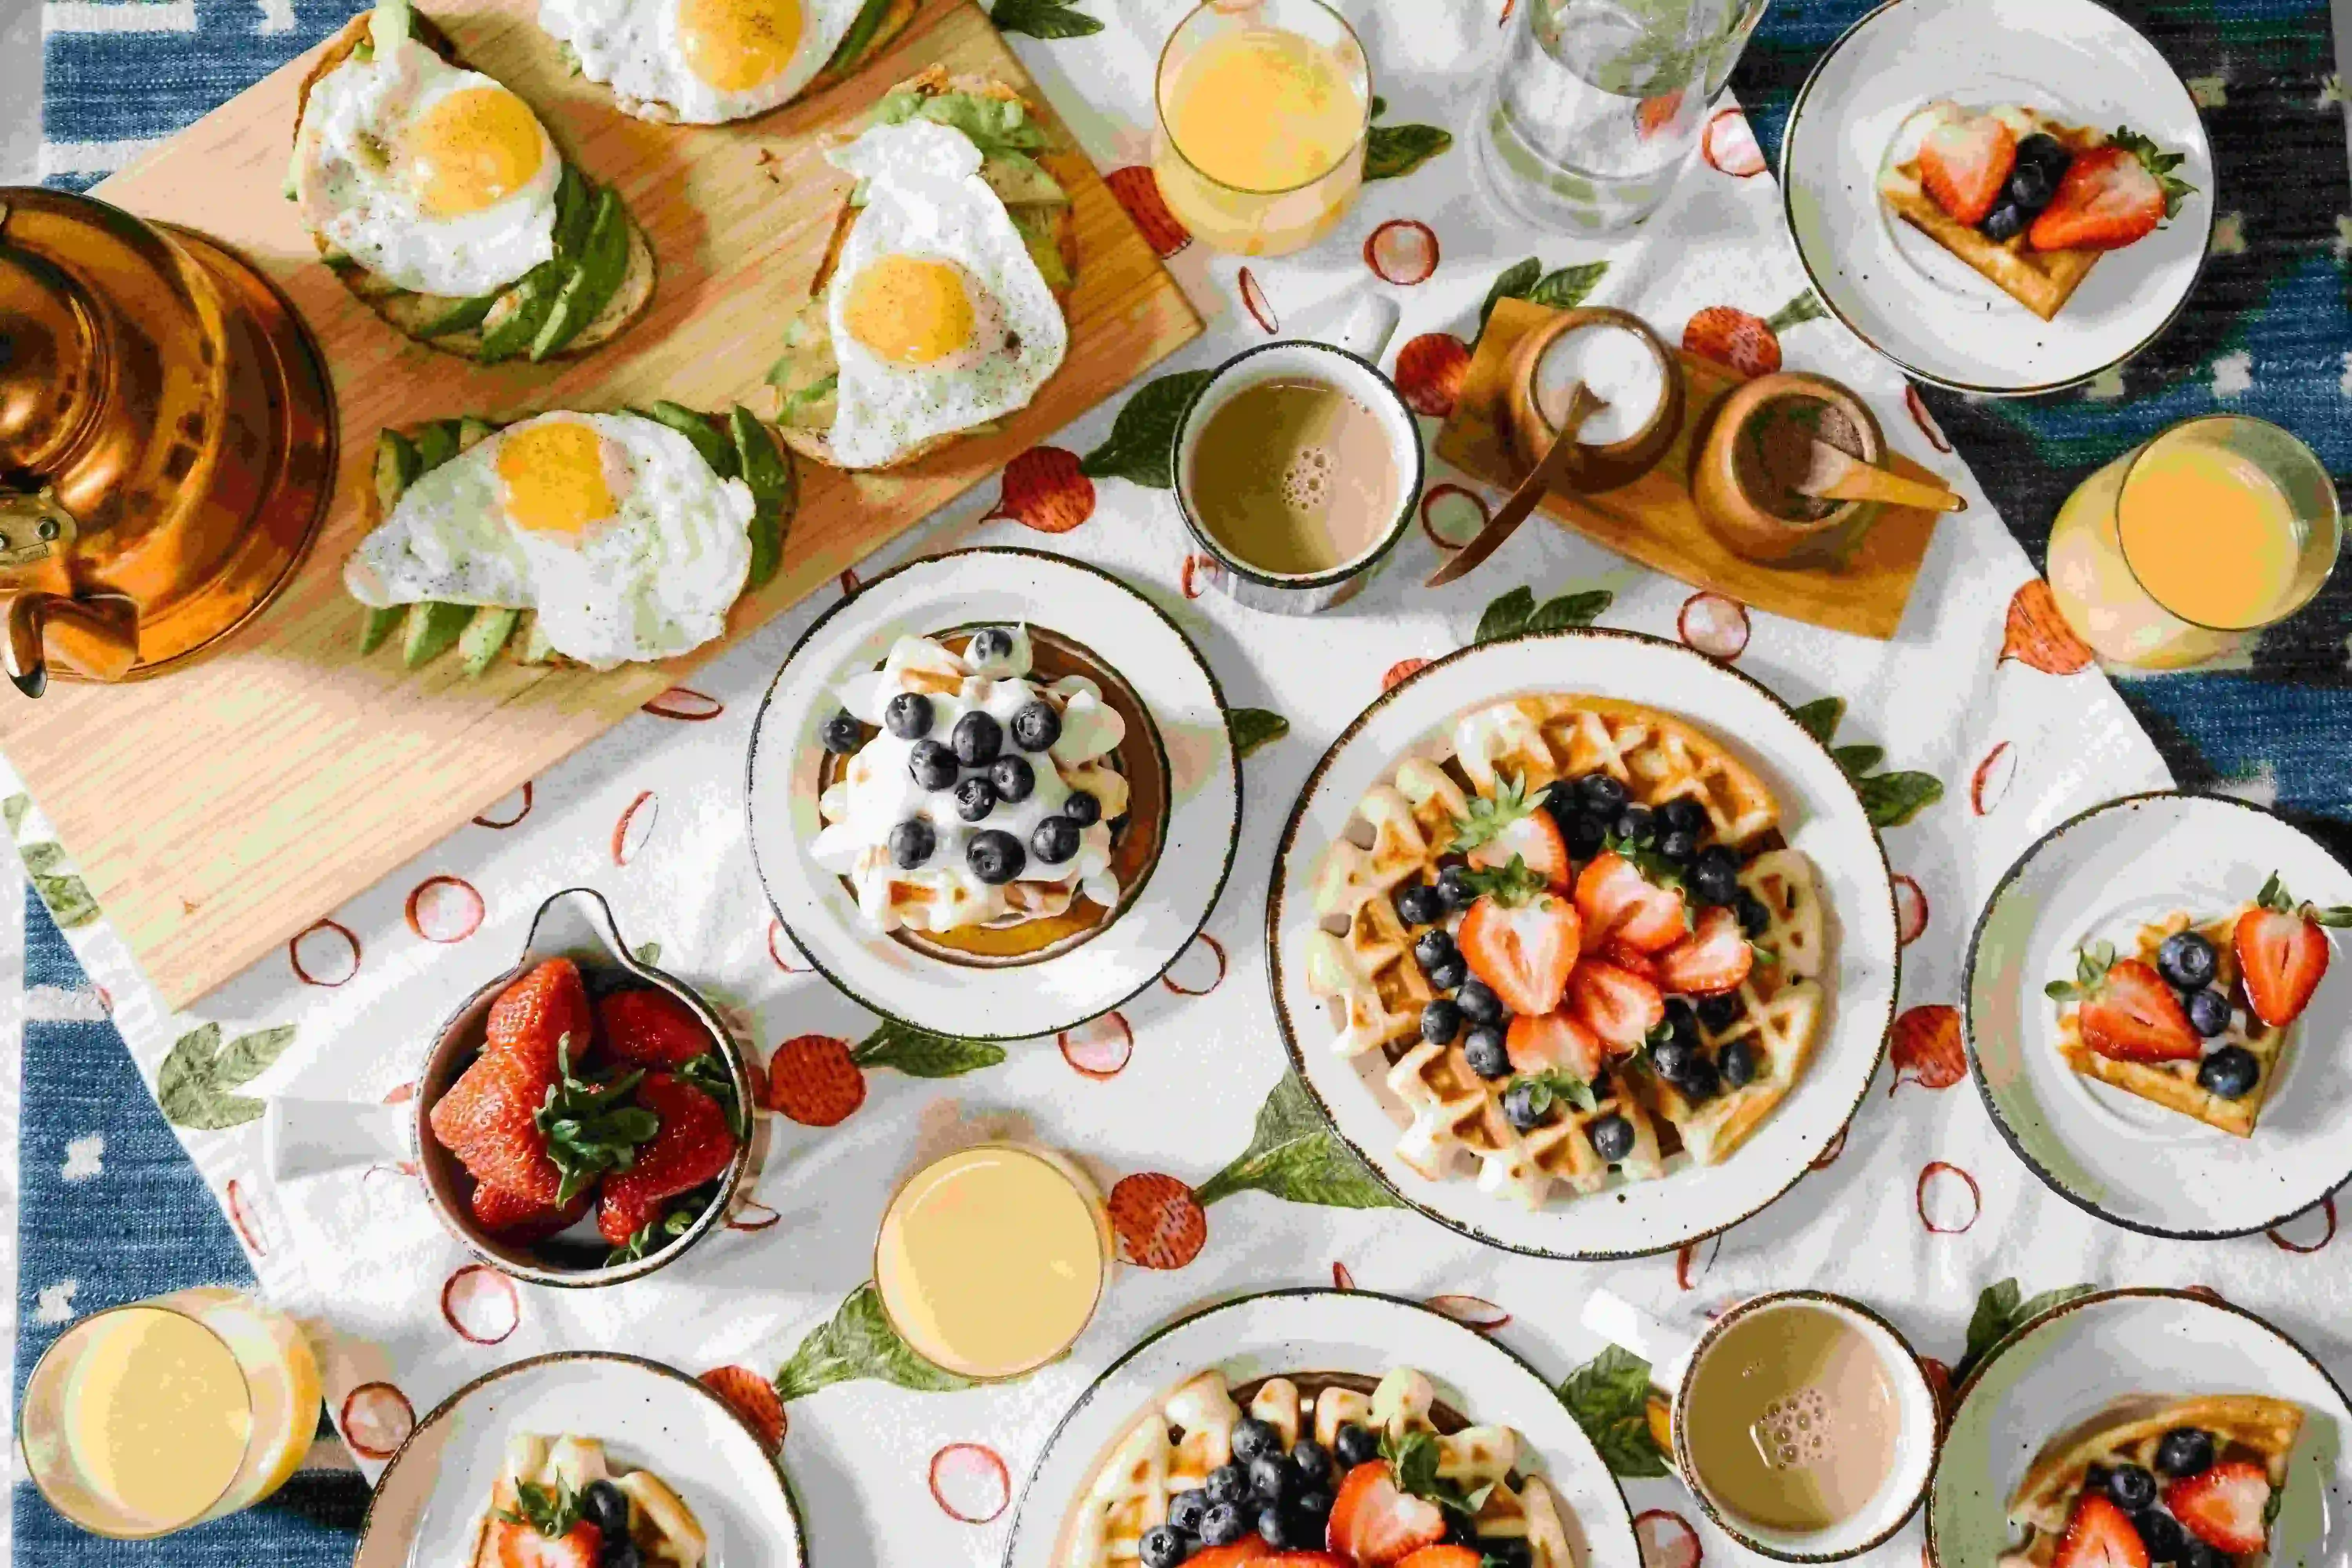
(2244, 1426)
(1173, 1447)
(665, 1530)
(1359, 958)
(2174, 1085)
(2041, 281)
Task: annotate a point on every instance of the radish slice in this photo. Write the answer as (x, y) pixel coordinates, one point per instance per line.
(1100, 1047)
(685, 705)
(376, 1420)
(753, 1215)
(1402, 669)
(1430, 371)
(2327, 1210)
(849, 582)
(1690, 1266)
(326, 954)
(1830, 1151)
(778, 942)
(1403, 251)
(753, 1399)
(445, 909)
(969, 1482)
(1260, 308)
(1216, 951)
(242, 1217)
(1728, 144)
(1993, 776)
(1451, 516)
(1342, 1277)
(1714, 625)
(1472, 1311)
(1910, 911)
(1924, 420)
(1199, 573)
(1948, 1198)
(480, 1304)
(1926, 1047)
(636, 825)
(522, 798)
(1666, 1540)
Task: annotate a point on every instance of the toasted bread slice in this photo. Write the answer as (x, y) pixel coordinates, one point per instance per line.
(877, 28)
(417, 316)
(2041, 281)
(801, 378)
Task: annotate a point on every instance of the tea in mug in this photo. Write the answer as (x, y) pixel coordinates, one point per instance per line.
(1792, 1419)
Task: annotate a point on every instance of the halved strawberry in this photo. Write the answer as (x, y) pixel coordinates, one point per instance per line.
(1511, 825)
(1965, 162)
(1521, 941)
(1712, 960)
(1289, 1560)
(1632, 959)
(1620, 904)
(2130, 1015)
(2282, 951)
(2099, 1534)
(1446, 1556)
(1620, 1008)
(1552, 1042)
(2223, 1507)
(2110, 196)
(1251, 1547)
(1375, 1523)
(514, 1544)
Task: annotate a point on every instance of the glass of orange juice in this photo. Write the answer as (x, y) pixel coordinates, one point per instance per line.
(144, 1419)
(1264, 110)
(992, 1260)
(2185, 547)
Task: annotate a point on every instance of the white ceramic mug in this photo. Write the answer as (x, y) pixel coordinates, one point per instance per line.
(1346, 361)
(1675, 1358)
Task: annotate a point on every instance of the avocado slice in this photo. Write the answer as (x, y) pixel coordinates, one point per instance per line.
(397, 467)
(536, 647)
(437, 443)
(604, 262)
(485, 635)
(713, 447)
(433, 625)
(774, 492)
(869, 21)
(514, 319)
(379, 624)
(472, 431)
(1020, 180)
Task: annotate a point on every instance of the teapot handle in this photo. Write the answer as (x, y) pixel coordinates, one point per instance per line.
(97, 636)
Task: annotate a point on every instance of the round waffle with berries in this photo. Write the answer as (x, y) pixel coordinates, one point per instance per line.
(1573, 941)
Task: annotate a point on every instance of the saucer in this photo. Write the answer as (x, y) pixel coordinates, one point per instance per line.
(1305, 1331)
(2118, 1155)
(648, 1415)
(1156, 921)
(1904, 294)
(2083, 1356)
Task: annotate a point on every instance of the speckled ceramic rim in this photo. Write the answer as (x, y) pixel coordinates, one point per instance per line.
(1968, 1022)
(1689, 1468)
(797, 1553)
(1233, 759)
(1102, 1379)
(1288, 842)
(1788, 219)
(2019, 1334)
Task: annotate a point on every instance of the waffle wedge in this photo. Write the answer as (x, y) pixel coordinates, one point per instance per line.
(2041, 281)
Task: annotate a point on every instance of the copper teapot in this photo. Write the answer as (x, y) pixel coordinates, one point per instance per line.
(167, 441)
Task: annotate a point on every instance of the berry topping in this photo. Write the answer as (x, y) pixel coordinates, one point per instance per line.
(1964, 163)
(1618, 904)
(1056, 839)
(1601, 793)
(911, 843)
(1677, 846)
(1526, 1105)
(1013, 778)
(1270, 1478)
(1224, 1523)
(990, 645)
(1445, 976)
(931, 765)
(603, 1505)
(1684, 815)
(1417, 904)
(1312, 1462)
(1377, 1523)
(1512, 826)
(1755, 920)
(1455, 888)
(2185, 1451)
(1162, 1546)
(2186, 960)
(1553, 1043)
(1036, 727)
(2209, 1013)
(977, 738)
(1082, 808)
(1636, 825)
(2127, 1013)
(2224, 1506)
(1354, 1444)
(2231, 1072)
(1616, 1004)
(1253, 1437)
(908, 716)
(2099, 1535)
(1228, 1483)
(2005, 223)
(2041, 163)
(1487, 1051)
(2161, 1534)
(1441, 1020)
(1521, 943)
(1712, 959)
(1718, 1012)
(1737, 1062)
(2132, 1487)
(1431, 948)
(1612, 1137)
(1185, 1509)
(842, 733)
(1480, 1004)
(2111, 197)
(975, 798)
(2282, 951)
(995, 856)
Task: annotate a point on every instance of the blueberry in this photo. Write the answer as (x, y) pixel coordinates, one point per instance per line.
(932, 765)
(2161, 1534)
(1226, 1484)
(1454, 888)
(975, 798)
(1678, 847)
(1601, 793)
(1274, 1526)
(1185, 1509)
(1013, 779)
(1082, 808)
(842, 733)
(1682, 1021)
(1417, 905)
(1584, 835)
(622, 1553)
(2195, 1553)
(1754, 917)
(1636, 823)
(2209, 1013)
(977, 738)
(1520, 1107)
(1699, 1082)
(1312, 1462)
(1162, 1546)
(995, 856)
(1479, 1003)
(1224, 1524)
(1737, 1062)
(1719, 1012)
(1672, 1059)
(911, 843)
(2004, 223)
(2132, 1487)
(2045, 153)
(2229, 1072)
(1441, 1020)
(1448, 975)
(604, 1505)
(1313, 1506)
(2095, 1477)
(2185, 1451)
(1269, 1477)
(1431, 948)
(990, 645)
(1056, 839)
(1715, 876)
(1353, 1445)
(1612, 1138)
(2029, 187)
(1253, 1437)
(1486, 1053)
(2186, 960)
(1684, 815)
(1036, 727)
(908, 716)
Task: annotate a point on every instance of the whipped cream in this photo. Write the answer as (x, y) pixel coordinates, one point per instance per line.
(877, 790)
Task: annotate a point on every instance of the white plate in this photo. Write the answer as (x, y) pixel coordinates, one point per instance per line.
(2068, 1365)
(2119, 1156)
(648, 1415)
(1129, 633)
(1821, 815)
(1305, 1330)
(1906, 296)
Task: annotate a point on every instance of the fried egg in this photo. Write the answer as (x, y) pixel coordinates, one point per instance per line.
(438, 179)
(706, 60)
(940, 320)
(609, 525)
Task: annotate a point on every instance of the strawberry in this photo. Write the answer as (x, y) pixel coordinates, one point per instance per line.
(1520, 940)
(651, 1028)
(1446, 1556)
(1286, 1559)
(489, 1119)
(2127, 1013)
(1376, 1523)
(513, 1545)
(2282, 951)
(2223, 1507)
(517, 1220)
(1511, 826)
(693, 1143)
(1620, 905)
(2111, 197)
(1552, 1042)
(535, 1014)
(1632, 959)
(2099, 1534)
(814, 1080)
(1620, 1008)
(1964, 163)
(1251, 1547)
(1712, 960)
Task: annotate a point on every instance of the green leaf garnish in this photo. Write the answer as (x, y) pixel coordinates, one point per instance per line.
(589, 1127)
(2273, 898)
(1509, 886)
(1610, 1397)
(550, 1511)
(1413, 1460)
(1547, 1089)
(2091, 966)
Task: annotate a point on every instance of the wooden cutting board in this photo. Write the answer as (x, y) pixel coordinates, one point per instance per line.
(1857, 585)
(216, 811)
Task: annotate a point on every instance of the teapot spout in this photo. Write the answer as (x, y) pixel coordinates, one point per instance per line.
(97, 639)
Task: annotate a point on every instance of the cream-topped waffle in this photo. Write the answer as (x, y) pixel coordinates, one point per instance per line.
(558, 1502)
(1344, 1465)
(1544, 781)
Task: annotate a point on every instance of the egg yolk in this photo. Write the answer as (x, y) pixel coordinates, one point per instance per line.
(911, 311)
(554, 479)
(471, 149)
(736, 45)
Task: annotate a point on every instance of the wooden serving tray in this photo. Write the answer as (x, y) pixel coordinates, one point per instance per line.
(1861, 588)
(217, 810)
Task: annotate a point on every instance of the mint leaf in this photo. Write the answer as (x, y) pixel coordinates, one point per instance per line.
(2001, 1312)
(1256, 727)
(1566, 287)
(859, 1342)
(1294, 1155)
(1515, 281)
(1890, 800)
(1820, 716)
(1393, 152)
(1140, 448)
(1858, 760)
(1509, 886)
(1489, 819)
(1567, 610)
(918, 1053)
(1042, 19)
(1506, 616)
(1610, 1397)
